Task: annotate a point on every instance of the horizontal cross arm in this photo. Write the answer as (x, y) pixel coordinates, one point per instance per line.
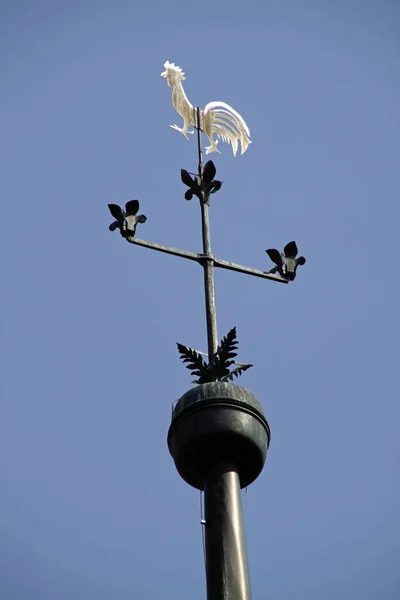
(224, 264)
(165, 249)
(200, 258)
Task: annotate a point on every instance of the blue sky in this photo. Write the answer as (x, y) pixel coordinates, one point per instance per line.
(91, 505)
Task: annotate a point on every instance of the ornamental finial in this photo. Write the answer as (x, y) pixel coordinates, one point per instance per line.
(218, 118)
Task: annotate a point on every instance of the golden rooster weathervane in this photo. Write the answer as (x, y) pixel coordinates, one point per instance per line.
(217, 118)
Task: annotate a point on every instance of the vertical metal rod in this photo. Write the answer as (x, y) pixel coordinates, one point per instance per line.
(227, 567)
(208, 266)
(199, 141)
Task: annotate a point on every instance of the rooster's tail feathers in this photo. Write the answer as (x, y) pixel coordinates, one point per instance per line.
(228, 125)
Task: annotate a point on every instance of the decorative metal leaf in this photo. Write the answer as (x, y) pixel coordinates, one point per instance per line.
(186, 178)
(222, 360)
(116, 211)
(216, 186)
(229, 340)
(236, 372)
(132, 207)
(220, 368)
(209, 172)
(225, 352)
(290, 250)
(195, 361)
(275, 256)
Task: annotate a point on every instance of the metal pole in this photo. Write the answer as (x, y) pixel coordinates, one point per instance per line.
(227, 568)
(199, 141)
(208, 265)
(209, 288)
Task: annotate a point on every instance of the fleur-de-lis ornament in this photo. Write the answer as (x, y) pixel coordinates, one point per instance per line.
(126, 220)
(204, 184)
(286, 262)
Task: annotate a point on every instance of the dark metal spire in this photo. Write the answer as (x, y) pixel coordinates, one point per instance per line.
(218, 436)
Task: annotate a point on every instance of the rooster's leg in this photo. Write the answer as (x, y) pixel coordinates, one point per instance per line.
(213, 146)
(183, 130)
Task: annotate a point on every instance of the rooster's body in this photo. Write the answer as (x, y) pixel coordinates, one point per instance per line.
(217, 118)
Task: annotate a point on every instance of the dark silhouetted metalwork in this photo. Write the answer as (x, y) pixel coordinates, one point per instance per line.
(126, 220)
(219, 370)
(201, 184)
(286, 262)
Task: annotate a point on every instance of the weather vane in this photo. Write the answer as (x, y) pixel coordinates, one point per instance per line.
(218, 435)
(217, 118)
(221, 120)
